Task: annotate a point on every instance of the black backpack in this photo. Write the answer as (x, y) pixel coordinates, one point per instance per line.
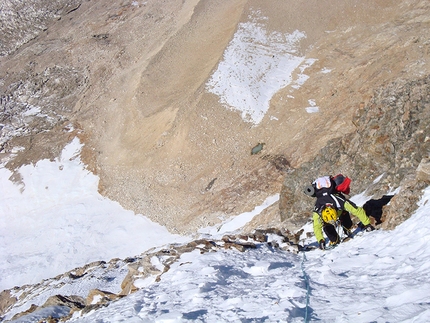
(322, 186)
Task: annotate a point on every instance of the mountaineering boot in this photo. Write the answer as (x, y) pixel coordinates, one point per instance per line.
(333, 244)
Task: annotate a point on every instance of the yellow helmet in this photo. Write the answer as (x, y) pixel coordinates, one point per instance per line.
(329, 214)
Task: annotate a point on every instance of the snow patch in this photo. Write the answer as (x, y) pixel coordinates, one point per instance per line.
(313, 108)
(235, 223)
(256, 64)
(55, 220)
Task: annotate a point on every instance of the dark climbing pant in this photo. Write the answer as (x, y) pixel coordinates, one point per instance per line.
(345, 222)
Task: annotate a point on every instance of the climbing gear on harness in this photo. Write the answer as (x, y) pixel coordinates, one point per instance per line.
(347, 232)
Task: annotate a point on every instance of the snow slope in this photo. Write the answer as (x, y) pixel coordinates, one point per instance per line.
(382, 276)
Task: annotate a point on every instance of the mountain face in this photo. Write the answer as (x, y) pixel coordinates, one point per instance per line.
(193, 111)
(140, 83)
(136, 81)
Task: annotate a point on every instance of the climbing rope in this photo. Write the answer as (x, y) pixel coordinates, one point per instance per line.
(341, 234)
(306, 278)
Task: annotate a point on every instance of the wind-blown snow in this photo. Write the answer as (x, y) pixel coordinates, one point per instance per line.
(257, 64)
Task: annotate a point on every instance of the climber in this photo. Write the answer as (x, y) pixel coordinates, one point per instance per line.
(332, 208)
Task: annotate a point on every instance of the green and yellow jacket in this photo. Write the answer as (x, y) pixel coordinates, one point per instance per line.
(341, 204)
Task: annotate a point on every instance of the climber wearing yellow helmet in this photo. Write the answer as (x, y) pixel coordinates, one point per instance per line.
(332, 209)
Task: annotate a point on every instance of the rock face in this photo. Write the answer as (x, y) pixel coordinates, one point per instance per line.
(36, 101)
(130, 78)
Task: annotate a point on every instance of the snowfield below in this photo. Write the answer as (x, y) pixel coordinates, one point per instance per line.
(55, 220)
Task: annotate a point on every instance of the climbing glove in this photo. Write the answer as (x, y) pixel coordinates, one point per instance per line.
(321, 244)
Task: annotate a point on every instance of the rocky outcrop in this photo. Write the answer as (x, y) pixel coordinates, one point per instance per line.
(36, 110)
(391, 140)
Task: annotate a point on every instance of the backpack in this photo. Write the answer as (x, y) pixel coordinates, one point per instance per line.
(323, 186)
(327, 185)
